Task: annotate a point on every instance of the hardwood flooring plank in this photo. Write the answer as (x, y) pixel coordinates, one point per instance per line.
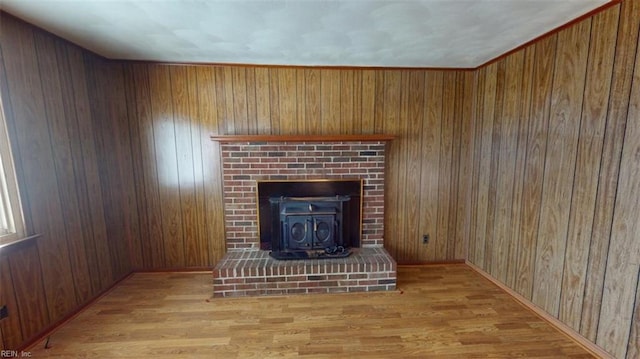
(464, 316)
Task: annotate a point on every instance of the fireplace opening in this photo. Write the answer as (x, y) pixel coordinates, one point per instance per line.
(310, 219)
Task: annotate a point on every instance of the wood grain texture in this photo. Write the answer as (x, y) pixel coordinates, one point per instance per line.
(564, 124)
(386, 105)
(509, 128)
(592, 125)
(525, 91)
(301, 138)
(633, 349)
(430, 158)
(623, 266)
(626, 51)
(10, 327)
(465, 163)
(48, 87)
(575, 254)
(162, 315)
(484, 150)
(537, 133)
(139, 153)
(27, 101)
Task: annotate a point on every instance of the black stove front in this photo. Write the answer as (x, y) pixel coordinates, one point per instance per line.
(306, 225)
(310, 218)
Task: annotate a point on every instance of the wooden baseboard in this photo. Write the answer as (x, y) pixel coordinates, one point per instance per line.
(556, 323)
(420, 264)
(47, 331)
(175, 270)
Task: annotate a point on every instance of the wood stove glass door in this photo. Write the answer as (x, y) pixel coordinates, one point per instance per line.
(296, 232)
(324, 231)
(309, 232)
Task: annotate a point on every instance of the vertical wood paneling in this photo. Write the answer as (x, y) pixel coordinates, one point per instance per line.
(456, 106)
(184, 125)
(626, 52)
(537, 129)
(386, 101)
(252, 106)
(152, 242)
(346, 101)
(330, 101)
(415, 112)
(239, 100)
(392, 85)
(368, 101)
(465, 165)
(10, 327)
(50, 101)
(143, 219)
(430, 158)
(211, 167)
(633, 349)
(142, 179)
(59, 112)
(509, 128)
(287, 98)
(263, 103)
(312, 102)
(167, 164)
(201, 253)
(301, 104)
(519, 180)
(623, 266)
(26, 99)
(91, 203)
(564, 124)
(441, 243)
(576, 251)
(477, 122)
(596, 95)
(484, 146)
(111, 125)
(490, 246)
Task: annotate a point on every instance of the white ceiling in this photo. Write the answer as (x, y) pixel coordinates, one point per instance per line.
(411, 33)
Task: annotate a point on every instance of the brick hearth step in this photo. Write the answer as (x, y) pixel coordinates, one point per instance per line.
(254, 272)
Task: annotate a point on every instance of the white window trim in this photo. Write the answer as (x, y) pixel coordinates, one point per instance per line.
(11, 204)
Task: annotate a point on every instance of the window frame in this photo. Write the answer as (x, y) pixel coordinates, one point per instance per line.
(9, 191)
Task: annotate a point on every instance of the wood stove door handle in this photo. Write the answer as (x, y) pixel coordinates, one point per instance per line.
(315, 225)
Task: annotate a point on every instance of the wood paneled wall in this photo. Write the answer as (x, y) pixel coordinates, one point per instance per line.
(174, 109)
(527, 167)
(72, 173)
(555, 212)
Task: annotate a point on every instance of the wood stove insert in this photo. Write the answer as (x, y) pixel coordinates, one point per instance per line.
(310, 219)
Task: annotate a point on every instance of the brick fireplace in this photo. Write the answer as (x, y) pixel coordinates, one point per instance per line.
(249, 160)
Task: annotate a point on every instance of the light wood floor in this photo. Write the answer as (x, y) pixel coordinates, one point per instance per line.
(439, 311)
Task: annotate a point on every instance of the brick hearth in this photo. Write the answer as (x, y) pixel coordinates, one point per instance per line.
(246, 270)
(248, 273)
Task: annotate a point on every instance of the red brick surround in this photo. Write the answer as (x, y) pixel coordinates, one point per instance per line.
(244, 163)
(246, 270)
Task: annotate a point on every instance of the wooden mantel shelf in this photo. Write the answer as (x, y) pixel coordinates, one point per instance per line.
(302, 138)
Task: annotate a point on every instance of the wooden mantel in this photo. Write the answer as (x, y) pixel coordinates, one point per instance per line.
(302, 138)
